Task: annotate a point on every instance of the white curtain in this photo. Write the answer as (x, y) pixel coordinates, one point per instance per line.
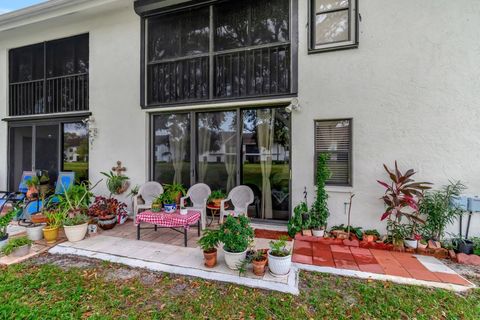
(204, 138)
(230, 145)
(265, 133)
(177, 140)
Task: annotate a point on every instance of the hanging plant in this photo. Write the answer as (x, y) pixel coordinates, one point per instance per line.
(116, 184)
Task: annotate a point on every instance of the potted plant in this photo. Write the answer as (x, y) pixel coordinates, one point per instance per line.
(296, 223)
(235, 234)
(279, 257)
(166, 200)
(54, 222)
(176, 191)
(157, 204)
(397, 233)
(17, 247)
(76, 227)
(116, 183)
(106, 211)
(208, 242)
(319, 212)
(35, 231)
(422, 244)
(32, 186)
(371, 235)
(43, 183)
(216, 198)
(4, 222)
(259, 261)
(465, 246)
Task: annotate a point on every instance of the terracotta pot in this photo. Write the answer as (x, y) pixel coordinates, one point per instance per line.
(259, 267)
(38, 218)
(369, 237)
(210, 258)
(50, 234)
(107, 223)
(216, 202)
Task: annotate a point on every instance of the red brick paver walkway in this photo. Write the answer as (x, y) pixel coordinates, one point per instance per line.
(384, 262)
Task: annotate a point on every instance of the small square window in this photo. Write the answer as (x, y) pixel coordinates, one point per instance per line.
(333, 25)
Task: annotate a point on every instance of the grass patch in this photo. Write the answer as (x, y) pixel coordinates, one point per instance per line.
(29, 291)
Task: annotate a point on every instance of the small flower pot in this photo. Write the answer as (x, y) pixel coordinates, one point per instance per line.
(318, 232)
(210, 258)
(411, 243)
(21, 251)
(107, 223)
(279, 266)
(233, 259)
(170, 208)
(259, 267)
(422, 246)
(76, 233)
(3, 241)
(38, 218)
(216, 202)
(50, 234)
(35, 232)
(369, 237)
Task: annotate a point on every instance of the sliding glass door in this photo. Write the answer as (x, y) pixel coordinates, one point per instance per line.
(227, 148)
(217, 149)
(51, 146)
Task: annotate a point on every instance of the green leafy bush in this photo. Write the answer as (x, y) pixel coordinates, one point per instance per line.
(436, 207)
(209, 241)
(236, 234)
(296, 223)
(278, 248)
(319, 212)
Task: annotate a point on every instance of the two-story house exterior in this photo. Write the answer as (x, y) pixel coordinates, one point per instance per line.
(213, 90)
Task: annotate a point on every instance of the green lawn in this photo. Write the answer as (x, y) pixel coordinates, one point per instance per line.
(30, 291)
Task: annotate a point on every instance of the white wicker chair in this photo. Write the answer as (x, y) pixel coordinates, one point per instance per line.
(241, 197)
(146, 194)
(198, 194)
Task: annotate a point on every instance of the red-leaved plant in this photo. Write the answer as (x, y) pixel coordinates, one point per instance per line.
(107, 207)
(402, 195)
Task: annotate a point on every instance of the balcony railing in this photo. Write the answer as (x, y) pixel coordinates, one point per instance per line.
(53, 95)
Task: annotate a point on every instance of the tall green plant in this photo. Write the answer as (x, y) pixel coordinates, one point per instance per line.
(436, 207)
(296, 223)
(319, 212)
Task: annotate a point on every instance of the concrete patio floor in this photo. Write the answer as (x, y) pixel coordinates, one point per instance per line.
(174, 259)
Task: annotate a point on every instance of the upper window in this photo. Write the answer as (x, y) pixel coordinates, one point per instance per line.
(333, 24)
(226, 50)
(49, 77)
(334, 137)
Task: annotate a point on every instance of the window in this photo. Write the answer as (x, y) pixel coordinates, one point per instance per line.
(49, 77)
(231, 49)
(334, 137)
(333, 25)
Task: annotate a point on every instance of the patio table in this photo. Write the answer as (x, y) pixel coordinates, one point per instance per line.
(169, 220)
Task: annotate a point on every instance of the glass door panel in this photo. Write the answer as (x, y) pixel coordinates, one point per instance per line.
(46, 150)
(217, 149)
(75, 149)
(171, 153)
(266, 161)
(20, 154)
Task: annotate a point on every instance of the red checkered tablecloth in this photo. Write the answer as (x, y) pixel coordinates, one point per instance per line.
(169, 220)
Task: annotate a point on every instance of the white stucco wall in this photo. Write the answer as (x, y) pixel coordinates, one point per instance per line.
(412, 89)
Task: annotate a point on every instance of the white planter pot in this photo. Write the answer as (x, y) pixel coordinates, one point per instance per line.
(318, 232)
(35, 233)
(411, 243)
(234, 259)
(21, 251)
(76, 233)
(279, 266)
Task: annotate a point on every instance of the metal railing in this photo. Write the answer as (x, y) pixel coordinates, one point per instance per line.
(51, 95)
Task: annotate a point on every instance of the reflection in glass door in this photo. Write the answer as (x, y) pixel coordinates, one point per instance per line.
(171, 154)
(46, 150)
(266, 161)
(20, 154)
(217, 149)
(75, 149)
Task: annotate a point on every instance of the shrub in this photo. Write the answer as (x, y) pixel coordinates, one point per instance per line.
(319, 212)
(236, 234)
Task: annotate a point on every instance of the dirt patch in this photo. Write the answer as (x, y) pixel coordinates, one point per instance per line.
(66, 261)
(471, 273)
(121, 274)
